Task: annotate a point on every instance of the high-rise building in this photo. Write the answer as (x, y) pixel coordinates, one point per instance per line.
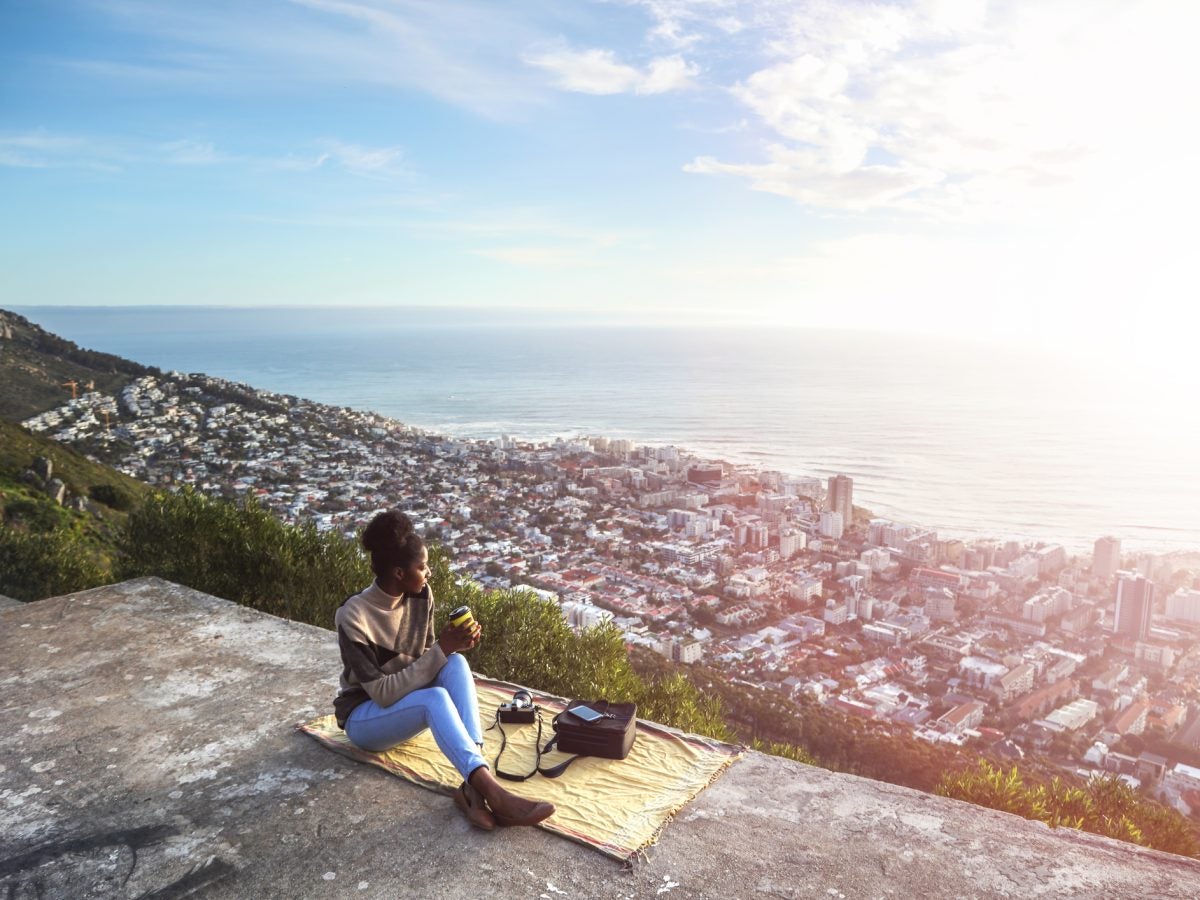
(1184, 605)
(1106, 558)
(831, 525)
(840, 497)
(1135, 599)
(790, 542)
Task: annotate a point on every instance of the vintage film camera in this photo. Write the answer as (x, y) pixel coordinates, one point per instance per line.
(518, 711)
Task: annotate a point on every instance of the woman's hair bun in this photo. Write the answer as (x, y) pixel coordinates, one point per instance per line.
(386, 530)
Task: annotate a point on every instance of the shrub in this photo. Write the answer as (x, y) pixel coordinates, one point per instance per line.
(34, 566)
(112, 496)
(527, 641)
(241, 552)
(41, 515)
(787, 751)
(1104, 806)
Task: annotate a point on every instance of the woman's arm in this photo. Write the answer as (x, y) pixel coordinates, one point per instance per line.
(361, 661)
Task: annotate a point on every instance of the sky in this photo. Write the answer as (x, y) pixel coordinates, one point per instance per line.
(1017, 170)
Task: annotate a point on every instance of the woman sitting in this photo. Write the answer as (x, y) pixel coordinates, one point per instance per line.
(397, 679)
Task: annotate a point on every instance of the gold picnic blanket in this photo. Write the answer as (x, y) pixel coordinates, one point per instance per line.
(619, 807)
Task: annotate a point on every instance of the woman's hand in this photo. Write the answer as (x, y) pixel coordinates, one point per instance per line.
(456, 638)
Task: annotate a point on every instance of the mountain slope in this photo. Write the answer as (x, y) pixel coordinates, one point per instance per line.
(35, 366)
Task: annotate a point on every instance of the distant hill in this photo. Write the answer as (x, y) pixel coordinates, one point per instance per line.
(35, 367)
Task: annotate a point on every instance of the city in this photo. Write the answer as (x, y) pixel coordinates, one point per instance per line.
(777, 580)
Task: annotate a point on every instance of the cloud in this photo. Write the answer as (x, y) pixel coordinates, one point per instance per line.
(460, 52)
(367, 162)
(683, 24)
(41, 150)
(597, 71)
(191, 153)
(949, 110)
(667, 73)
(808, 179)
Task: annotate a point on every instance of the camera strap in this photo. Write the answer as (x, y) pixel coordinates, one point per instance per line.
(552, 772)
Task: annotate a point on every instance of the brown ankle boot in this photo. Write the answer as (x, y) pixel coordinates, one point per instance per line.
(471, 802)
(534, 811)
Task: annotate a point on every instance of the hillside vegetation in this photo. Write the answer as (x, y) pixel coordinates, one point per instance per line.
(36, 365)
(50, 548)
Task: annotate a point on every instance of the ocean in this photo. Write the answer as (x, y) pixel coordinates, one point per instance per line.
(967, 438)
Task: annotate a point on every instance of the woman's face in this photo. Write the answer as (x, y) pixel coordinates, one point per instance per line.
(412, 580)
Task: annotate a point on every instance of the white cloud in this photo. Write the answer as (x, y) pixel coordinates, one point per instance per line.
(370, 162)
(191, 153)
(667, 73)
(802, 176)
(587, 71)
(460, 52)
(597, 71)
(42, 150)
(964, 111)
(686, 23)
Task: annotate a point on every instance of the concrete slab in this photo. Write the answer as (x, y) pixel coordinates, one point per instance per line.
(147, 750)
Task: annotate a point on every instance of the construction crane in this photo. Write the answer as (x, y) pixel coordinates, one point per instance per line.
(72, 385)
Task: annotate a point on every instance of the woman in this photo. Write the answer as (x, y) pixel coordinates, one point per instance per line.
(398, 680)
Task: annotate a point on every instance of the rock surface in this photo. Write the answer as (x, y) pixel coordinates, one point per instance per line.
(147, 749)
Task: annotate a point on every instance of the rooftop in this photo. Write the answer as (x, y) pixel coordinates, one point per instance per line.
(147, 749)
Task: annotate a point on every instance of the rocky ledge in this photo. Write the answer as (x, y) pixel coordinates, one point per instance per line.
(147, 750)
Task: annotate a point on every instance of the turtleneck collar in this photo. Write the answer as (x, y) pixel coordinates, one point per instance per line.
(381, 598)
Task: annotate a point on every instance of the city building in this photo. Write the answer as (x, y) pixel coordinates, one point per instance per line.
(840, 497)
(791, 542)
(962, 718)
(939, 605)
(1135, 599)
(1184, 605)
(832, 524)
(1014, 683)
(1106, 557)
(1073, 716)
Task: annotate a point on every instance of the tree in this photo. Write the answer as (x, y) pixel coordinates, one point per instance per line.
(1104, 806)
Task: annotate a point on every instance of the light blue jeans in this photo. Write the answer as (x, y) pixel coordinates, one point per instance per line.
(448, 707)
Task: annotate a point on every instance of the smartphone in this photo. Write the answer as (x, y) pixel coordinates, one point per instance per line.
(586, 713)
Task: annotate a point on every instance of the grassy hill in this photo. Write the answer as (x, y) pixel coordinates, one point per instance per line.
(35, 366)
(46, 548)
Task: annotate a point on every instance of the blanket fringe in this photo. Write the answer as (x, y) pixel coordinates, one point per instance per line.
(641, 854)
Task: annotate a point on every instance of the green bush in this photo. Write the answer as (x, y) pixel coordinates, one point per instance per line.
(787, 751)
(1104, 806)
(527, 641)
(47, 564)
(112, 496)
(41, 515)
(242, 552)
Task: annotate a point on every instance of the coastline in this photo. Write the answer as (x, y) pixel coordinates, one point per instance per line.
(752, 468)
(969, 476)
(756, 468)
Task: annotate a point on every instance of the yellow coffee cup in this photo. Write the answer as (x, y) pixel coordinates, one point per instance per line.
(462, 616)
